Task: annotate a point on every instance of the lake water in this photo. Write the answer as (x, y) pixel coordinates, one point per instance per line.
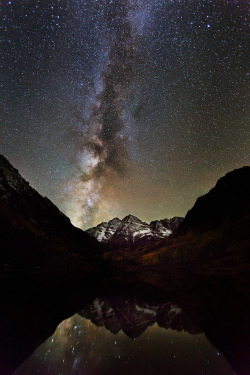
(169, 321)
(79, 346)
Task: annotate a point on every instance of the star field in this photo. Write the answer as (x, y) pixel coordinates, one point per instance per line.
(110, 104)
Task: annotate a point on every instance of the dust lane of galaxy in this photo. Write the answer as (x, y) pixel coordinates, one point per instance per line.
(113, 107)
(104, 150)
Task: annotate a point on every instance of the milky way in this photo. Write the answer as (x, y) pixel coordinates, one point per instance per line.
(104, 150)
(116, 107)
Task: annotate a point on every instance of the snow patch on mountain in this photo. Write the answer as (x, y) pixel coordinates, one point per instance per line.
(131, 231)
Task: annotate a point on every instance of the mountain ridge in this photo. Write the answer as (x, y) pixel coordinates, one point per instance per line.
(131, 232)
(215, 229)
(35, 234)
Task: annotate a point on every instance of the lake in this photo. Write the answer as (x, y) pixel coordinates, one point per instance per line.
(165, 321)
(78, 346)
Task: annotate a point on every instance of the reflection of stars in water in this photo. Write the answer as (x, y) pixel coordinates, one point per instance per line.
(78, 346)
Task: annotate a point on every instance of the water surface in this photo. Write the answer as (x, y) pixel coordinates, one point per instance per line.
(161, 322)
(80, 347)
(126, 338)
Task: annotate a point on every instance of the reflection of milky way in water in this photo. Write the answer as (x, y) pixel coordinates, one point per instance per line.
(79, 347)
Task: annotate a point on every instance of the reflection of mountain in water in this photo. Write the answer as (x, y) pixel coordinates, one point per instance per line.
(133, 316)
(216, 305)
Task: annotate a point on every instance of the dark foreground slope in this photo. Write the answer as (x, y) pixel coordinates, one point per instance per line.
(43, 259)
(34, 234)
(216, 229)
(228, 201)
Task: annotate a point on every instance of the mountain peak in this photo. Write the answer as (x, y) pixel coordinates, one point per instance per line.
(9, 176)
(131, 232)
(130, 218)
(115, 220)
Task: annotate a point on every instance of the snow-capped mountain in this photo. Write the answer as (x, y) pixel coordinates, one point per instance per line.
(132, 232)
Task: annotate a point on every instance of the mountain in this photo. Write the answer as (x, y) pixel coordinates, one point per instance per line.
(34, 233)
(216, 228)
(228, 200)
(131, 232)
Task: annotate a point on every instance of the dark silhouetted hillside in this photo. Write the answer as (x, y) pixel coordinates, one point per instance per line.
(34, 233)
(216, 229)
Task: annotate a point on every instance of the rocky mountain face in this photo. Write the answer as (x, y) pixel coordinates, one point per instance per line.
(34, 233)
(131, 232)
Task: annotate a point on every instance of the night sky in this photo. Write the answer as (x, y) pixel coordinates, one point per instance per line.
(110, 107)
